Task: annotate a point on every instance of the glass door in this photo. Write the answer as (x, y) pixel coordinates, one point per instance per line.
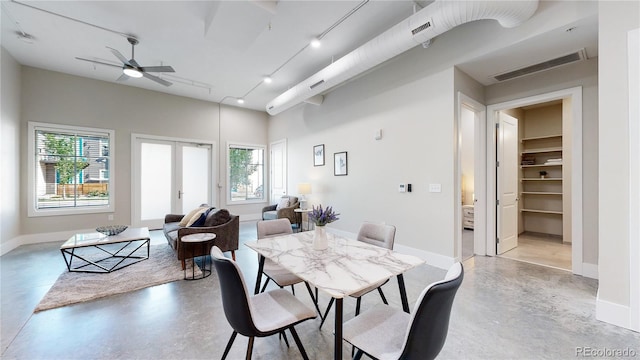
(170, 177)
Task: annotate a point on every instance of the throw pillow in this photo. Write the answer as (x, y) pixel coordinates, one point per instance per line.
(283, 203)
(203, 216)
(217, 217)
(186, 218)
(196, 216)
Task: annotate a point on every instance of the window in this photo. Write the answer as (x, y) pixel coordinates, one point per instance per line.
(246, 173)
(69, 170)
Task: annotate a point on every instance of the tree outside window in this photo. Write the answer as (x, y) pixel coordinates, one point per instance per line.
(246, 173)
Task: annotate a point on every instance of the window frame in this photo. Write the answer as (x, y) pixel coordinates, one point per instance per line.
(32, 198)
(262, 147)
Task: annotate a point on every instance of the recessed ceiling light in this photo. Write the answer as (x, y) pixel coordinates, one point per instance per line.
(132, 72)
(267, 79)
(240, 101)
(315, 43)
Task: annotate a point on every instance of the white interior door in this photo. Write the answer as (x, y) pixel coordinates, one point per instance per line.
(170, 177)
(507, 176)
(278, 159)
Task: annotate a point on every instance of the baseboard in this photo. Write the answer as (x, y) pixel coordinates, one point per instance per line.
(29, 239)
(590, 270)
(613, 313)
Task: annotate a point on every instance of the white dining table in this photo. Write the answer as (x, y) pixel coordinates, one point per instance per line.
(344, 268)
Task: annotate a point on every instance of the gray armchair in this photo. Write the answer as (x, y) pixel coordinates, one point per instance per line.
(283, 209)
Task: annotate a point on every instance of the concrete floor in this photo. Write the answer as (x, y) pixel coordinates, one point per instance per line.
(505, 309)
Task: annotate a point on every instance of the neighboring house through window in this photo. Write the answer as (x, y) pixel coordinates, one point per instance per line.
(69, 170)
(246, 172)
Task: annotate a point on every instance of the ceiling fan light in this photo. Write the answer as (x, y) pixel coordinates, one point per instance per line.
(131, 72)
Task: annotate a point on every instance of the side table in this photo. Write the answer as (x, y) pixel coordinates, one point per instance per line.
(203, 240)
(301, 212)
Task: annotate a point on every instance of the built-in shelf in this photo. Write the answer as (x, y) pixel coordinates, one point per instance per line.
(539, 165)
(541, 179)
(541, 193)
(542, 211)
(541, 137)
(542, 150)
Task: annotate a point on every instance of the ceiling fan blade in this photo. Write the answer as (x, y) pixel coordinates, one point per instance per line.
(157, 69)
(119, 56)
(134, 63)
(156, 79)
(123, 77)
(99, 62)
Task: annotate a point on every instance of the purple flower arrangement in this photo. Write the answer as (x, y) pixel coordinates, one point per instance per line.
(322, 217)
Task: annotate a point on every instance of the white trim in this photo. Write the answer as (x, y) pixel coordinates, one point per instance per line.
(590, 270)
(634, 178)
(28, 239)
(612, 313)
(479, 238)
(575, 94)
(32, 210)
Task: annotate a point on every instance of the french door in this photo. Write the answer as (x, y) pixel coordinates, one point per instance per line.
(169, 177)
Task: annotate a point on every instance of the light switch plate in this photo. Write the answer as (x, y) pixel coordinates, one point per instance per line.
(435, 188)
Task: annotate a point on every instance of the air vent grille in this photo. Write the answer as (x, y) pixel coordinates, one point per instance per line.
(545, 65)
(421, 28)
(316, 84)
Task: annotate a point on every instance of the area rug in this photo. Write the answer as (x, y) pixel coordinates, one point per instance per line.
(75, 287)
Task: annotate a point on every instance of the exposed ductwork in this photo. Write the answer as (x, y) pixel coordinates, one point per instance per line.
(435, 19)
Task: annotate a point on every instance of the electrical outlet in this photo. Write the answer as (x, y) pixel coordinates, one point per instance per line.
(110, 217)
(435, 188)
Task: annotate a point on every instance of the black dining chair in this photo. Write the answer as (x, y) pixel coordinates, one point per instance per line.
(387, 333)
(261, 315)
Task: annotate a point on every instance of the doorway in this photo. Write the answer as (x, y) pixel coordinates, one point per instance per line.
(547, 166)
(471, 164)
(170, 176)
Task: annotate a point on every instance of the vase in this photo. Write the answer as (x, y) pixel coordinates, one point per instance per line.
(320, 238)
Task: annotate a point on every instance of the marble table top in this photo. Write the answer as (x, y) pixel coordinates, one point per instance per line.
(346, 267)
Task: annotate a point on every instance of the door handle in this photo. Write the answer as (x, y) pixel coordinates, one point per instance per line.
(179, 194)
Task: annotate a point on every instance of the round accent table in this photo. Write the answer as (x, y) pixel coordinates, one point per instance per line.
(301, 212)
(193, 241)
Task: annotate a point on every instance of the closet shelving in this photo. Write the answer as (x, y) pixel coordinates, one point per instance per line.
(541, 194)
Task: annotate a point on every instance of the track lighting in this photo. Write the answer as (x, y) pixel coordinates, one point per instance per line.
(267, 79)
(315, 43)
(240, 101)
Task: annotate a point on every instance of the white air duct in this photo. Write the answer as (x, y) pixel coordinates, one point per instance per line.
(433, 20)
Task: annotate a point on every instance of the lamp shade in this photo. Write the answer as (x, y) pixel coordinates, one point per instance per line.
(304, 188)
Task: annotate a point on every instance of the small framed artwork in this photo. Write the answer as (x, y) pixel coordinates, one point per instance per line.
(340, 163)
(318, 155)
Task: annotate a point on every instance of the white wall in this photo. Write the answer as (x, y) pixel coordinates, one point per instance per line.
(9, 148)
(64, 99)
(616, 19)
(416, 119)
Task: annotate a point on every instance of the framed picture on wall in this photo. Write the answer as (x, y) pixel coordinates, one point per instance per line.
(340, 163)
(318, 155)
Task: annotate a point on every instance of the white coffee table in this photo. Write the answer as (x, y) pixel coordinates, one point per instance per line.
(114, 252)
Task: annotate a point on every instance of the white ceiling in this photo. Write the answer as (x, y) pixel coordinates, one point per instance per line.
(221, 50)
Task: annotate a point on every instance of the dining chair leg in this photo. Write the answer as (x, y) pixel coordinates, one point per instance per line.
(326, 313)
(384, 299)
(314, 299)
(299, 343)
(283, 335)
(293, 290)
(249, 348)
(265, 285)
(358, 306)
(226, 349)
(358, 355)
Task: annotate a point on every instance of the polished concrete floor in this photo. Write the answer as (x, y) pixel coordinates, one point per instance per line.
(504, 309)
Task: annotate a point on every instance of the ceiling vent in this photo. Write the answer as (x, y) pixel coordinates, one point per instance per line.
(543, 66)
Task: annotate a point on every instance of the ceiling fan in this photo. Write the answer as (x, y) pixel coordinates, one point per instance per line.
(131, 68)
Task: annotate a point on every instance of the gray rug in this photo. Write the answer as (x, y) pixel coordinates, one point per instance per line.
(162, 267)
